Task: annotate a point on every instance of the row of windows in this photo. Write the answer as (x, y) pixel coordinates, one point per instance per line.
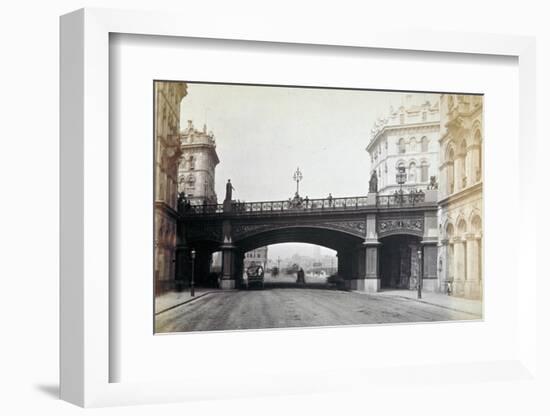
(412, 171)
(412, 174)
(402, 145)
(459, 174)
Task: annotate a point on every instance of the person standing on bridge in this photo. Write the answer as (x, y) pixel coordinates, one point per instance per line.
(329, 199)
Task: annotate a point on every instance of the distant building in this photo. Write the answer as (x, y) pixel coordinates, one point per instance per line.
(407, 137)
(460, 194)
(256, 257)
(197, 169)
(316, 253)
(168, 96)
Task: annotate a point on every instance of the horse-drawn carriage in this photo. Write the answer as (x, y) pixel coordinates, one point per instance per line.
(255, 277)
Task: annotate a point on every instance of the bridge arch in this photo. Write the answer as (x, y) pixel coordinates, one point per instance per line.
(318, 235)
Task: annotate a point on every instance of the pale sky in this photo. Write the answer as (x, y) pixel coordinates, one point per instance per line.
(264, 133)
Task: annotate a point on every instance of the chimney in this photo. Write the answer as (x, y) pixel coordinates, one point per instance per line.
(190, 124)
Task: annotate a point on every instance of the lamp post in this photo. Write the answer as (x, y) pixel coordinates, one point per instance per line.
(401, 178)
(419, 285)
(297, 177)
(193, 254)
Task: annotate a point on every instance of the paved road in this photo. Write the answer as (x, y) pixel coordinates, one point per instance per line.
(284, 307)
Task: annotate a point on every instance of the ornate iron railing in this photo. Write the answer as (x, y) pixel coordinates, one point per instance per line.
(309, 205)
(400, 199)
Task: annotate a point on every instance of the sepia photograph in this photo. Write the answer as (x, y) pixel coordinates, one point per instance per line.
(296, 207)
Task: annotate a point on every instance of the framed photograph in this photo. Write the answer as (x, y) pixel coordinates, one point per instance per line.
(243, 215)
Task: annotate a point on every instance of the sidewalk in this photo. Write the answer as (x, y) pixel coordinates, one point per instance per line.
(474, 307)
(170, 300)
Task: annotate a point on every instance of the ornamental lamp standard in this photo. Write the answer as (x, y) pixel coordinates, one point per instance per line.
(193, 254)
(297, 178)
(401, 178)
(419, 284)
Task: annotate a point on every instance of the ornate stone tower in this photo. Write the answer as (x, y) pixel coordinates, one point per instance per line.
(407, 138)
(197, 169)
(168, 98)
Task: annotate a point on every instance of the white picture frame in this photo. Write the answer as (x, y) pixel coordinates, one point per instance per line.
(85, 264)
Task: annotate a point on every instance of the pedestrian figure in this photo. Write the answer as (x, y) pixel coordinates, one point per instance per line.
(330, 199)
(300, 277)
(307, 201)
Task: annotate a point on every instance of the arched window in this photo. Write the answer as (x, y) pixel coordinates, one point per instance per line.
(412, 172)
(462, 258)
(449, 232)
(451, 172)
(424, 144)
(424, 171)
(478, 159)
(413, 145)
(191, 162)
(476, 225)
(463, 164)
(191, 181)
(478, 265)
(402, 146)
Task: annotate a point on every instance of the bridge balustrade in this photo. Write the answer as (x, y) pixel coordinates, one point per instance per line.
(397, 200)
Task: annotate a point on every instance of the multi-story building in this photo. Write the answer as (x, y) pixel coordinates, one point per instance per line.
(460, 193)
(408, 137)
(256, 257)
(168, 96)
(197, 169)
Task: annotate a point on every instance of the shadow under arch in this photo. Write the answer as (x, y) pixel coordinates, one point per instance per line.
(345, 244)
(399, 261)
(329, 238)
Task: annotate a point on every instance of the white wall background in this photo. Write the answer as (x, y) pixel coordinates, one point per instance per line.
(29, 209)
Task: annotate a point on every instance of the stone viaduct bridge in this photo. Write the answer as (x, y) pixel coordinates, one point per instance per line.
(379, 239)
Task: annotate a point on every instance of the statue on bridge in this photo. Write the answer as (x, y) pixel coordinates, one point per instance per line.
(433, 183)
(373, 183)
(228, 190)
(182, 200)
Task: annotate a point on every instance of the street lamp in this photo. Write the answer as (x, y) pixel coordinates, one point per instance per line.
(419, 285)
(193, 254)
(401, 178)
(297, 177)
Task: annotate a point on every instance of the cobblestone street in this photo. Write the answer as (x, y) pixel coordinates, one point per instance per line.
(283, 306)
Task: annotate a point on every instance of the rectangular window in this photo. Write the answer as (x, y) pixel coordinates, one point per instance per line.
(424, 173)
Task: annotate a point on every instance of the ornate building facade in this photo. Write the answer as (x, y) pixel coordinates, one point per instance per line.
(460, 193)
(256, 257)
(197, 169)
(408, 137)
(168, 97)
(442, 138)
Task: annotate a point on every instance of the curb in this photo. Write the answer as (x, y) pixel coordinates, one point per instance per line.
(441, 306)
(480, 315)
(184, 302)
